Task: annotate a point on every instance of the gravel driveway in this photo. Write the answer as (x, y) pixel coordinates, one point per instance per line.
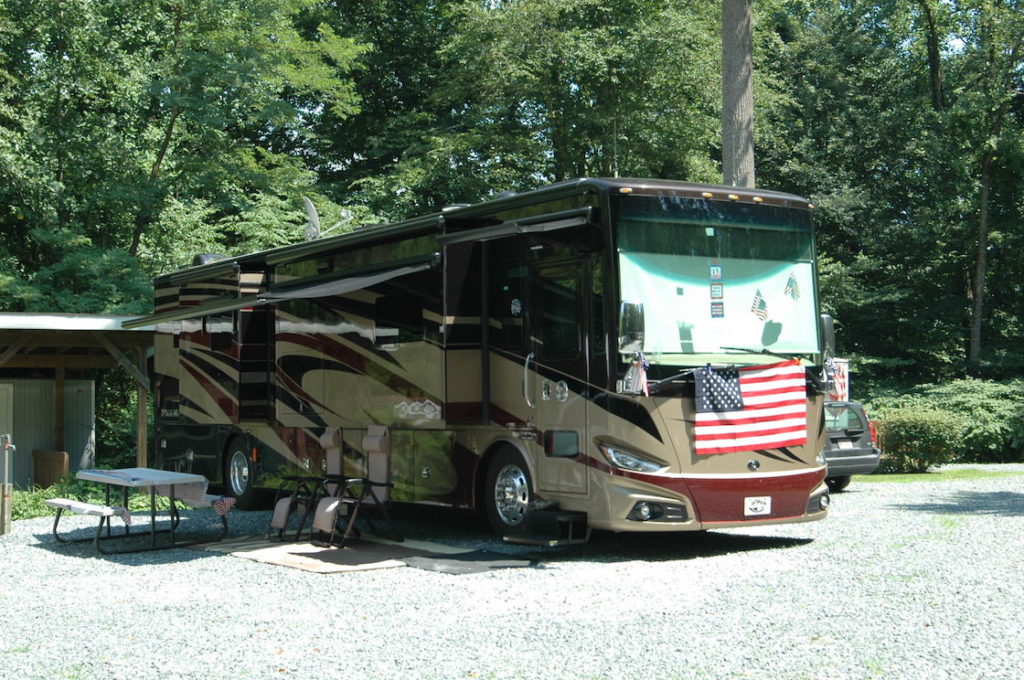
(919, 580)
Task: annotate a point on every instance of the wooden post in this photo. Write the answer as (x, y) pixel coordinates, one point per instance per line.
(58, 409)
(141, 415)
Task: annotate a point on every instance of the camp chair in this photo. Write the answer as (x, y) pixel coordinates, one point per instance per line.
(296, 494)
(351, 494)
(302, 493)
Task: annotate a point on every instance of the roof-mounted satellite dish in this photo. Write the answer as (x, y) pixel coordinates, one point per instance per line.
(313, 231)
(313, 223)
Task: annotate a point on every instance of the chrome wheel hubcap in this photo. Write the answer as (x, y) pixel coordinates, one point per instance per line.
(511, 494)
(238, 473)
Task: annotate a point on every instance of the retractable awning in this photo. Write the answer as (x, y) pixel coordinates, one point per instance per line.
(343, 285)
(339, 284)
(566, 219)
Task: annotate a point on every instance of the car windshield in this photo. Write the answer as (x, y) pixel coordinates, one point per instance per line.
(718, 281)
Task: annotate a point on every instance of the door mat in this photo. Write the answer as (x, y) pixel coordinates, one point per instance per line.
(365, 554)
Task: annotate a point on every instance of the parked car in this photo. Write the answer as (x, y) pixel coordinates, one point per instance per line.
(850, 449)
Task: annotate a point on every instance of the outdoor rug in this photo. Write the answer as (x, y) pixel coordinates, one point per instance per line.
(365, 554)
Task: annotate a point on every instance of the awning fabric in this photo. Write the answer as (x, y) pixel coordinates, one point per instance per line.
(337, 286)
(341, 286)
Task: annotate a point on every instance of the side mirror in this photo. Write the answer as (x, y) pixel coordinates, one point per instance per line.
(828, 335)
(631, 327)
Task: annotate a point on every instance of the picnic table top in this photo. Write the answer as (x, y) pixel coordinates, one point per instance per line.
(139, 477)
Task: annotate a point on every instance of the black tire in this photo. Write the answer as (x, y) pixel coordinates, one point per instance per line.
(507, 493)
(837, 483)
(240, 475)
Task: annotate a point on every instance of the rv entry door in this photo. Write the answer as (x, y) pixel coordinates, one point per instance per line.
(557, 368)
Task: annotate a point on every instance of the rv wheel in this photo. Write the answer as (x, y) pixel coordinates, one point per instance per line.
(240, 475)
(508, 492)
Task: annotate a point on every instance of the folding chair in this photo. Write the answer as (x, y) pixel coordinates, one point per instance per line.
(302, 493)
(351, 494)
(297, 494)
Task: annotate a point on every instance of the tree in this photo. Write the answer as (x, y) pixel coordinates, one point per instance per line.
(993, 36)
(137, 121)
(882, 112)
(530, 92)
(737, 93)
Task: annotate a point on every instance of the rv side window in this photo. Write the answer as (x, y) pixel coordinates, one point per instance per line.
(560, 313)
(508, 305)
(220, 329)
(399, 318)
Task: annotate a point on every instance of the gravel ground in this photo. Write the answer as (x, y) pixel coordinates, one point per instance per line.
(917, 580)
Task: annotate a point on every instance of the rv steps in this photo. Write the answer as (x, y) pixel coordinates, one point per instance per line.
(552, 528)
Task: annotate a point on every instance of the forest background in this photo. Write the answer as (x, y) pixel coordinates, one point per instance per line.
(136, 134)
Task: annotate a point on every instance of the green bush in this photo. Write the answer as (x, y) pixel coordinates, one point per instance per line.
(991, 415)
(914, 439)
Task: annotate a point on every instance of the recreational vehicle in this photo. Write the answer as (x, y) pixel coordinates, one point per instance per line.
(617, 354)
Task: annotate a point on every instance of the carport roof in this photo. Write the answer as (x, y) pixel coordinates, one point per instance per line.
(62, 342)
(72, 341)
(64, 322)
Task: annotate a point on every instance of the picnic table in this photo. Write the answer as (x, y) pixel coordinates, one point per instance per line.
(186, 487)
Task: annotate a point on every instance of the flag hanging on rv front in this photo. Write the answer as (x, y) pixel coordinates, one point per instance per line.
(750, 408)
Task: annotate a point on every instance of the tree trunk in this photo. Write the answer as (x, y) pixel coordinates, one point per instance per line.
(144, 215)
(980, 265)
(737, 93)
(148, 205)
(934, 57)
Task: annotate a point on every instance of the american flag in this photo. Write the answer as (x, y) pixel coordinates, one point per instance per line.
(124, 514)
(223, 504)
(759, 306)
(750, 408)
(792, 287)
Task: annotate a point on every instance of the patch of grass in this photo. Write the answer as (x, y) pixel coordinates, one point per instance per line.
(937, 476)
(947, 522)
(29, 504)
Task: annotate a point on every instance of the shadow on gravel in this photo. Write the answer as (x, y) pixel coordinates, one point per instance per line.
(81, 544)
(464, 529)
(611, 547)
(999, 503)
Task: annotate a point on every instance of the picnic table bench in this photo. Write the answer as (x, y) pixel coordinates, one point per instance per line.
(186, 487)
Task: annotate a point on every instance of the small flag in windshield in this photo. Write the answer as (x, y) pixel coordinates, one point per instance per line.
(792, 287)
(759, 307)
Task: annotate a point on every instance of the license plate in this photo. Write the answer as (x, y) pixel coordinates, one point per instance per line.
(754, 506)
(845, 444)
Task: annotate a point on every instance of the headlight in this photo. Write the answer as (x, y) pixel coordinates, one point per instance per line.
(627, 460)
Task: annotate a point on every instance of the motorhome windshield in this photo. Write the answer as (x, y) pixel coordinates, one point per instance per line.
(718, 281)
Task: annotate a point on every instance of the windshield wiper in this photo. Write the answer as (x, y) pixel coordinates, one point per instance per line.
(750, 350)
(654, 386)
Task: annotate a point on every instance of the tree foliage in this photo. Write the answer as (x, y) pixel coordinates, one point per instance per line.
(894, 116)
(130, 128)
(133, 135)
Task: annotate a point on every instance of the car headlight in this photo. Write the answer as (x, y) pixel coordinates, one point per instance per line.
(627, 460)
